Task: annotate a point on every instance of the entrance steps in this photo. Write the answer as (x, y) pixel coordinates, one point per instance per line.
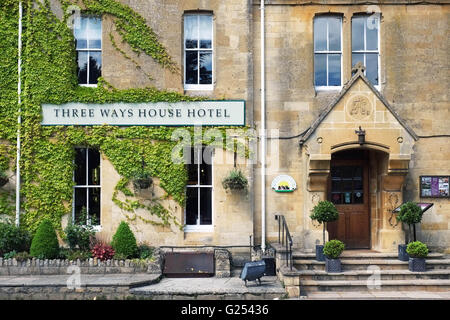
(362, 271)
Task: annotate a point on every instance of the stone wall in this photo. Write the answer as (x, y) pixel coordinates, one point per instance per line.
(12, 267)
(414, 80)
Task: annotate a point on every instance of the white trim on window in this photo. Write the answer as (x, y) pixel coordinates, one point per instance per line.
(87, 186)
(198, 86)
(89, 50)
(365, 51)
(199, 227)
(327, 53)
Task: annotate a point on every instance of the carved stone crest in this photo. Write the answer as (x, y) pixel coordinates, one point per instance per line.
(359, 107)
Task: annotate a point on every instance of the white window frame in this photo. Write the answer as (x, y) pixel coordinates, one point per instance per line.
(198, 227)
(328, 52)
(199, 87)
(92, 85)
(87, 186)
(365, 51)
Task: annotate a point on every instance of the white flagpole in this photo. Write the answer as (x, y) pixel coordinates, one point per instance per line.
(19, 118)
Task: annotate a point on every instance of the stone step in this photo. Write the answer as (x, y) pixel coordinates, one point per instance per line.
(371, 274)
(363, 264)
(362, 256)
(384, 285)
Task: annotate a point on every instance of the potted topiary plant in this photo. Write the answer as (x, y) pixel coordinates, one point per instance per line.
(417, 252)
(410, 214)
(235, 180)
(323, 212)
(332, 251)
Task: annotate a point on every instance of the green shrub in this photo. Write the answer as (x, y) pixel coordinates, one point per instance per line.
(22, 256)
(145, 251)
(417, 249)
(324, 212)
(410, 213)
(13, 238)
(124, 242)
(333, 249)
(10, 255)
(79, 235)
(120, 256)
(78, 254)
(45, 242)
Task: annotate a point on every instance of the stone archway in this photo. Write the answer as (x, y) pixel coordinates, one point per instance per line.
(359, 118)
(386, 179)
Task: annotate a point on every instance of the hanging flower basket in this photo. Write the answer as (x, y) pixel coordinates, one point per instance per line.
(142, 181)
(3, 179)
(235, 181)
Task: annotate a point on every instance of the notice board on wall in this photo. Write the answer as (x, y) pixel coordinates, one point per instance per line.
(434, 187)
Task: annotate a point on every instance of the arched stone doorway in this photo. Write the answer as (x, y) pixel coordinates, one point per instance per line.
(359, 121)
(355, 187)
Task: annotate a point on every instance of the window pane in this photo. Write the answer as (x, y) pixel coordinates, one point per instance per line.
(205, 168)
(347, 172)
(80, 202)
(94, 167)
(82, 58)
(372, 68)
(358, 197)
(357, 57)
(357, 33)
(334, 32)
(320, 69)
(205, 31)
(190, 31)
(334, 65)
(192, 166)
(80, 33)
(95, 66)
(336, 185)
(336, 198)
(94, 33)
(205, 206)
(191, 206)
(94, 205)
(372, 33)
(80, 166)
(191, 67)
(347, 185)
(320, 34)
(205, 67)
(357, 184)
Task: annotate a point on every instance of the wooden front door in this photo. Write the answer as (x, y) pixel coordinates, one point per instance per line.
(348, 190)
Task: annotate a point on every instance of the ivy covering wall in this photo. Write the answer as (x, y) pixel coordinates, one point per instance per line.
(49, 76)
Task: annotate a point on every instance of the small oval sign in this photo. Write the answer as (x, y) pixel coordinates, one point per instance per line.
(284, 183)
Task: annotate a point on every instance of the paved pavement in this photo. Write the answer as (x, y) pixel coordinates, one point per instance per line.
(205, 288)
(212, 286)
(89, 280)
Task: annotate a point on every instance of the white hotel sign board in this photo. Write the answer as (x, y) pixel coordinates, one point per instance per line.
(207, 113)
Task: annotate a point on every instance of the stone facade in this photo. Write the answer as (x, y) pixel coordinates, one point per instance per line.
(411, 103)
(414, 81)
